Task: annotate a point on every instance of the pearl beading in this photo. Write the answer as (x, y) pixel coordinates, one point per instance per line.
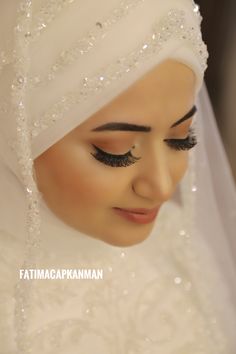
(172, 26)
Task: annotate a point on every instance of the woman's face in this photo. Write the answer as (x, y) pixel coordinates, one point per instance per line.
(109, 180)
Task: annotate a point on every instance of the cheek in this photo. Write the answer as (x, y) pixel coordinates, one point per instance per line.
(86, 186)
(93, 182)
(179, 166)
(74, 178)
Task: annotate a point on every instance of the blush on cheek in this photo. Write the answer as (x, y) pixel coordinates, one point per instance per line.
(89, 179)
(88, 188)
(74, 179)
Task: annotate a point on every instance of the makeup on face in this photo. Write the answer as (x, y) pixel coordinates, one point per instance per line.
(115, 143)
(120, 126)
(139, 216)
(125, 159)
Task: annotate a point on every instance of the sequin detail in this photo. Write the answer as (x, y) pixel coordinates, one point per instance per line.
(175, 27)
(45, 16)
(85, 44)
(172, 26)
(132, 309)
(4, 59)
(47, 13)
(25, 161)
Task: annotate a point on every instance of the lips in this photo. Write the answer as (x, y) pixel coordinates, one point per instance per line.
(138, 215)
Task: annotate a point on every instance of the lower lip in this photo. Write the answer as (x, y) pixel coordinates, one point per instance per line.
(137, 218)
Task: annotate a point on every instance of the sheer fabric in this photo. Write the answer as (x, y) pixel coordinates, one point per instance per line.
(175, 292)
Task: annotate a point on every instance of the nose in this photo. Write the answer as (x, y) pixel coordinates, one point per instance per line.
(154, 180)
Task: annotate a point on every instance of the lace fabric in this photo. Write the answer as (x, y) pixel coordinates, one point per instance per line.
(147, 302)
(172, 294)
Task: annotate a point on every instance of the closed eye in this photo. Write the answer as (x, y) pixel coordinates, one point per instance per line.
(113, 160)
(183, 144)
(127, 159)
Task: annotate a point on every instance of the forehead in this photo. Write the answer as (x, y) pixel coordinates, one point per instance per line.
(166, 90)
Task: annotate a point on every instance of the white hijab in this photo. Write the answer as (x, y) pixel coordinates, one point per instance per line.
(60, 63)
(50, 71)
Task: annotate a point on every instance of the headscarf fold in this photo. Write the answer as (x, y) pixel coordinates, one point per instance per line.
(60, 62)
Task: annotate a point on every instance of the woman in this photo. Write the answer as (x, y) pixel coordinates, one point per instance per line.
(106, 115)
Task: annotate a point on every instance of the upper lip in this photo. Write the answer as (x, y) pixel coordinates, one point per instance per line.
(140, 210)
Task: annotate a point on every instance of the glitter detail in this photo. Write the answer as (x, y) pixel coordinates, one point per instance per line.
(151, 303)
(133, 275)
(122, 255)
(23, 151)
(178, 280)
(22, 291)
(194, 189)
(125, 292)
(182, 233)
(110, 269)
(47, 13)
(172, 26)
(88, 311)
(4, 60)
(196, 12)
(85, 44)
(185, 236)
(196, 8)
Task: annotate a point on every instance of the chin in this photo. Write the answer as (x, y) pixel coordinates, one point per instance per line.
(132, 240)
(120, 236)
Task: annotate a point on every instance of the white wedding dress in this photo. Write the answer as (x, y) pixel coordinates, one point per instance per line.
(154, 297)
(175, 292)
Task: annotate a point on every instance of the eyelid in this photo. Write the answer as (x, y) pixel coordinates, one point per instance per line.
(190, 132)
(116, 146)
(110, 154)
(187, 123)
(124, 147)
(182, 130)
(112, 160)
(183, 144)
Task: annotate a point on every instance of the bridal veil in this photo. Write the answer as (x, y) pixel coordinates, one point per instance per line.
(60, 62)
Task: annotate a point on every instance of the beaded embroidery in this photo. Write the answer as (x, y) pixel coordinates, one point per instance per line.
(85, 44)
(44, 18)
(23, 151)
(4, 59)
(172, 26)
(127, 300)
(46, 15)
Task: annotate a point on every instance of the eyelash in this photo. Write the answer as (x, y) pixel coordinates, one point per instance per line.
(128, 159)
(123, 160)
(183, 144)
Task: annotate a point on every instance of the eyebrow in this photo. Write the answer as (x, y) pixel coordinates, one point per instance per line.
(192, 111)
(139, 128)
